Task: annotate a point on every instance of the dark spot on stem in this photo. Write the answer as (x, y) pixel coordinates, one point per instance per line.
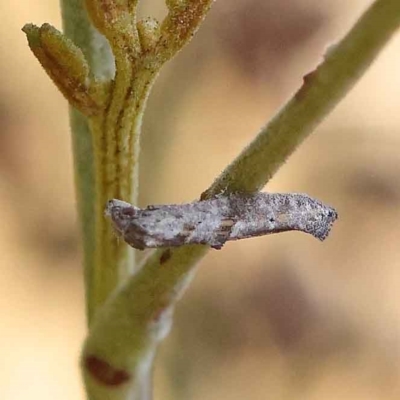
(307, 80)
(165, 256)
(104, 373)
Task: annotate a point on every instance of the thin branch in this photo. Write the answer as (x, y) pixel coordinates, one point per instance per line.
(183, 19)
(125, 335)
(322, 89)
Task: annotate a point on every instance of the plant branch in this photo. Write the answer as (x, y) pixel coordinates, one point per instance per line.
(97, 52)
(343, 64)
(135, 319)
(111, 101)
(138, 59)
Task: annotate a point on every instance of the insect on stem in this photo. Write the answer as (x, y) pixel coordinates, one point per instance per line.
(213, 222)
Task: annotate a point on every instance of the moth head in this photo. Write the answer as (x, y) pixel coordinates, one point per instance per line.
(121, 214)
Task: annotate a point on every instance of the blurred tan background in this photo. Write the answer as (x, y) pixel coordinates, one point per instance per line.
(280, 317)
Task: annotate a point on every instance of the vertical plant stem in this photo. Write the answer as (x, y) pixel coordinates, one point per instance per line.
(78, 28)
(117, 144)
(106, 146)
(85, 194)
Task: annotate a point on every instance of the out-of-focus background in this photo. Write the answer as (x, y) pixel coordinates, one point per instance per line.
(278, 317)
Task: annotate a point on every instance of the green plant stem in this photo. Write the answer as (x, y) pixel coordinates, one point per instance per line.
(106, 151)
(126, 332)
(77, 27)
(109, 167)
(117, 143)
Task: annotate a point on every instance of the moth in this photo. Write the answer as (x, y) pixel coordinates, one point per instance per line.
(213, 222)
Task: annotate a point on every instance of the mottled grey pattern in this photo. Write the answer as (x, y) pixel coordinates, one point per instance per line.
(222, 218)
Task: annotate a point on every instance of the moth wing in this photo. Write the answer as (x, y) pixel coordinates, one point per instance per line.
(223, 233)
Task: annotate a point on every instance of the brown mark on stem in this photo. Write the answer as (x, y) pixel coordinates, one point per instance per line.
(104, 373)
(307, 80)
(165, 256)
